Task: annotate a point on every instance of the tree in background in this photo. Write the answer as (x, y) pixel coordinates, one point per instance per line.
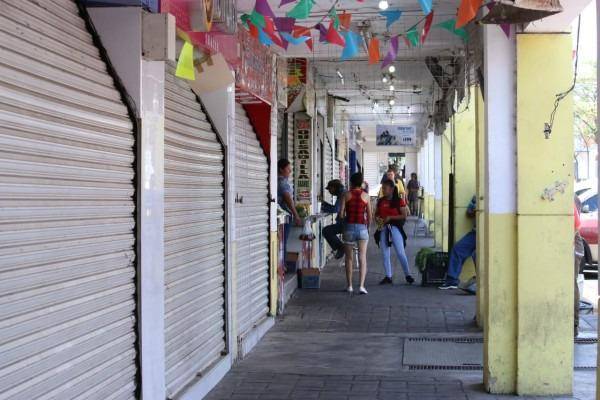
(585, 96)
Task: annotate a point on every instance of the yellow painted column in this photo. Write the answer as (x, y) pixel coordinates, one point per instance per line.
(545, 225)
(438, 190)
(273, 275)
(480, 214)
(446, 170)
(465, 174)
(500, 219)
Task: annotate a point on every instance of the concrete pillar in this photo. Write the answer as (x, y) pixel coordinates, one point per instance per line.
(431, 175)
(500, 270)
(411, 165)
(446, 170)
(437, 203)
(481, 205)
(545, 226)
(465, 175)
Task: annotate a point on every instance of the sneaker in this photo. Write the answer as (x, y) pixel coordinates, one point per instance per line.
(386, 281)
(339, 254)
(410, 279)
(350, 289)
(447, 286)
(362, 290)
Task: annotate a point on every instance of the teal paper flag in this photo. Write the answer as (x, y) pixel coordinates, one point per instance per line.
(335, 19)
(450, 26)
(264, 38)
(294, 40)
(301, 10)
(352, 40)
(413, 36)
(245, 18)
(391, 16)
(257, 19)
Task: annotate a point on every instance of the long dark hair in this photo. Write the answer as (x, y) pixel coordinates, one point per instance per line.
(395, 196)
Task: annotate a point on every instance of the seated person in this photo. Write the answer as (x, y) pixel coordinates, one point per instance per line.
(461, 250)
(331, 232)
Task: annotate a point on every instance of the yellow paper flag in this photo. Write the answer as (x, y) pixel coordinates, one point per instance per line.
(185, 64)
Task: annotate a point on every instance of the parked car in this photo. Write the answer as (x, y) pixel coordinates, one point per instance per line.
(589, 230)
(583, 186)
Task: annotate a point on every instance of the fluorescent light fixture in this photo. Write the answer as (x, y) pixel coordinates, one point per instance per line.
(392, 102)
(392, 69)
(392, 88)
(383, 5)
(384, 79)
(339, 74)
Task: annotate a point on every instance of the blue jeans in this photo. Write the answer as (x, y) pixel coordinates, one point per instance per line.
(462, 250)
(398, 244)
(355, 232)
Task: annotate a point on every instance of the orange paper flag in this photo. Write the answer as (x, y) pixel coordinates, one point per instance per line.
(467, 12)
(345, 20)
(374, 51)
(301, 31)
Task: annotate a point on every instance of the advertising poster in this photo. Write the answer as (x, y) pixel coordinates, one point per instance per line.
(303, 161)
(396, 135)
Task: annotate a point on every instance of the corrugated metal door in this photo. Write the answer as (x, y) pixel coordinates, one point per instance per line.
(328, 161)
(252, 226)
(194, 237)
(291, 137)
(67, 273)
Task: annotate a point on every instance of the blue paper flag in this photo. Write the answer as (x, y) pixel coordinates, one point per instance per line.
(294, 40)
(391, 16)
(351, 47)
(264, 38)
(425, 6)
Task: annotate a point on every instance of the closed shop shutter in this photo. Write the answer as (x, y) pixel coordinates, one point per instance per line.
(194, 237)
(328, 167)
(252, 226)
(371, 167)
(67, 212)
(281, 131)
(291, 136)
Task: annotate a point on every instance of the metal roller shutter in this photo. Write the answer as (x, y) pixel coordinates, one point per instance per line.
(291, 136)
(194, 237)
(252, 226)
(67, 273)
(328, 168)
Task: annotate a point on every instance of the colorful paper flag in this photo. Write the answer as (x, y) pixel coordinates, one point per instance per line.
(257, 19)
(253, 30)
(264, 38)
(301, 10)
(284, 24)
(245, 18)
(506, 29)
(467, 12)
(351, 48)
(300, 30)
(293, 40)
(425, 6)
(263, 7)
(309, 44)
(374, 51)
(345, 20)
(322, 32)
(426, 27)
(450, 25)
(284, 2)
(391, 16)
(413, 36)
(392, 52)
(334, 18)
(185, 64)
(334, 37)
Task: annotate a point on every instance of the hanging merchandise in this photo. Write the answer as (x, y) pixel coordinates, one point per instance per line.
(391, 16)
(374, 51)
(185, 64)
(426, 27)
(425, 6)
(413, 37)
(392, 52)
(467, 12)
(302, 9)
(351, 47)
(450, 25)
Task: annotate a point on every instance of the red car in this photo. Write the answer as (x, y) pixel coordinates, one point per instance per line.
(589, 229)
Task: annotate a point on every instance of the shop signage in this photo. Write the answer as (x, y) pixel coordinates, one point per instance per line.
(282, 99)
(396, 135)
(303, 162)
(296, 79)
(255, 71)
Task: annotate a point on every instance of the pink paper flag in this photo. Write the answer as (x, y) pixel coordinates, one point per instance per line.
(392, 52)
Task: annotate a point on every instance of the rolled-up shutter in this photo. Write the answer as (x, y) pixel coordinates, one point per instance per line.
(67, 273)
(252, 226)
(194, 237)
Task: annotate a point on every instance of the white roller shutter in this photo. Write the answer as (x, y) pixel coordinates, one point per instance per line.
(328, 167)
(194, 237)
(291, 136)
(252, 226)
(371, 168)
(67, 273)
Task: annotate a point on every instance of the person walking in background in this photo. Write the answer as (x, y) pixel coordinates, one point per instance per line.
(331, 232)
(413, 194)
(356, 213)
(401, 192)
(285, 198)
(461, 250)
(390, 213)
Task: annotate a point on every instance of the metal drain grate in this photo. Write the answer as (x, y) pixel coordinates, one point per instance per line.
(445, 368)
(586, 340)
(447, 339)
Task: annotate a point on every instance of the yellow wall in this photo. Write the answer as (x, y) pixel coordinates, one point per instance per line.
(545, 252)
(446, 169)
(481, 200)
(273, 276)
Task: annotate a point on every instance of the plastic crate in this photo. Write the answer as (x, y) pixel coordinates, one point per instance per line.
(436, 267)
(309, 278)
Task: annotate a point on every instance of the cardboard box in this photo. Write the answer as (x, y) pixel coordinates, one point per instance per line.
(292, 262)
(309, 278)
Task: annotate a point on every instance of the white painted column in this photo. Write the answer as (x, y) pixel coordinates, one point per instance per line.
(120, 30)
(411, 165)
(438, 177)
(431, 163)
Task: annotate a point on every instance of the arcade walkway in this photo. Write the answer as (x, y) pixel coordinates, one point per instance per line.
(330, 345)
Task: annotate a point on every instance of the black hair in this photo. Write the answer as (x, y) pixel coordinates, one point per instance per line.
(392, 184)
(356, 180)
(336, 185)
(282, 163)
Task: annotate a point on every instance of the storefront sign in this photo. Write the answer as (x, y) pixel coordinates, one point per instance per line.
(296, 79)
(256, 69)
(396, 135)
(303, 162)
(282, 99)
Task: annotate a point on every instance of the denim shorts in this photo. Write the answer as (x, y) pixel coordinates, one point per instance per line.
(355, 232)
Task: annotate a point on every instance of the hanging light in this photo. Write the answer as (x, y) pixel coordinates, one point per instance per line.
(392, 102)
(383, 5)
(392, 69)
(384, 79)
(392, 88)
